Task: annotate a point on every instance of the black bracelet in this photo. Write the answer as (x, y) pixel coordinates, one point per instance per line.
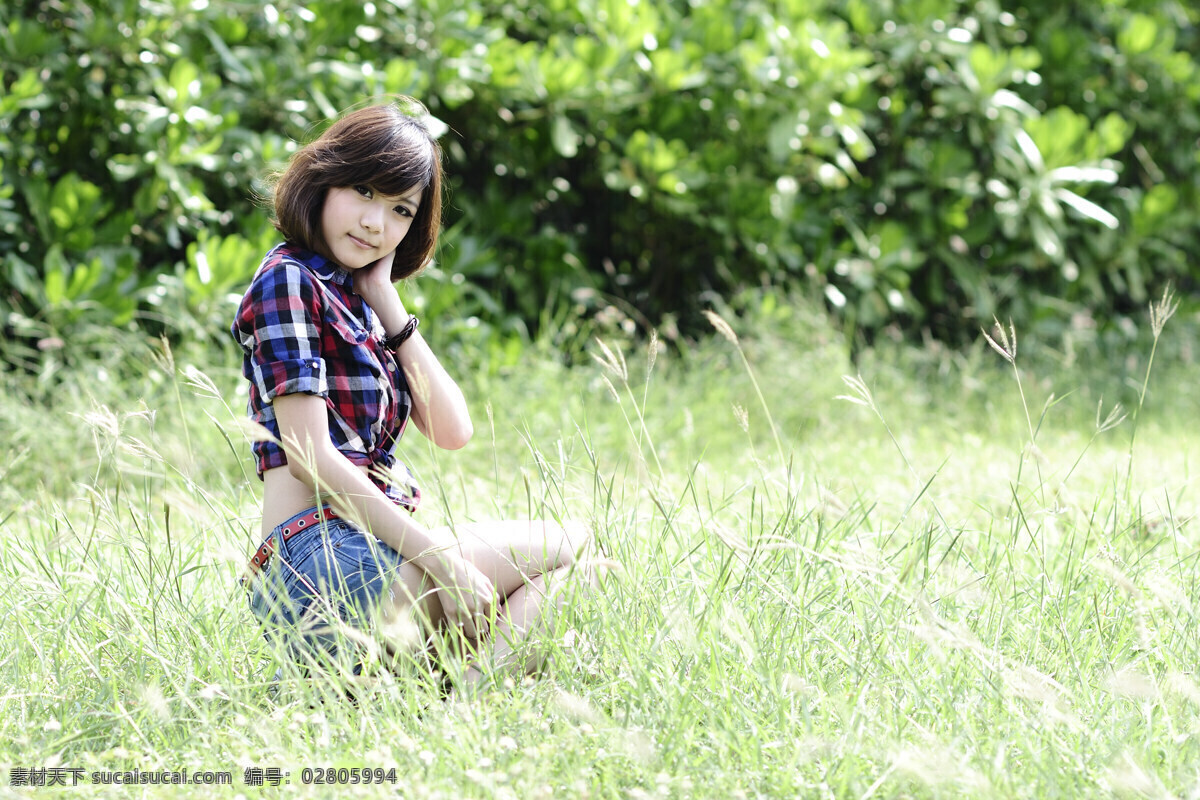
(410, 327)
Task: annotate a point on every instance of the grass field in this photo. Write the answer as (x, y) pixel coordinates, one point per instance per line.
(926, 574)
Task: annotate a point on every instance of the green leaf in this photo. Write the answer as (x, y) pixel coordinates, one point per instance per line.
(564, 137)
(55, 269)
(183, 80)
(25, 92)
(1046, 238)
(1138, 35)
(1087, 208)
(76, 209)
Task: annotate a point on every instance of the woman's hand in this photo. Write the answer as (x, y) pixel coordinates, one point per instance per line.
(373, 283)
(467, 596)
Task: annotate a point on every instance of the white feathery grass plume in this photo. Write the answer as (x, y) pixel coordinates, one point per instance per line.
(862, 395)
(1127, 777)
(1019, 679)
(400, 633)
(730, 538)
(938, 766)
(631, 742)
(200, 384)
(1170, 596)
(726, 330)
(254, 431)
(680, 628)
(152, 698)
(1004, 342)
(1006, 345)
(721, 325)
(1115, 417)
(1162, 311)
(1104, 564)
(1132, 683)
(651, 353)
(829, 503)
(742, 416)
(614, 362)
(136, 447)
(1182, 685)
(103, 420)
(797, 685)
(612, 390)
(418, 383)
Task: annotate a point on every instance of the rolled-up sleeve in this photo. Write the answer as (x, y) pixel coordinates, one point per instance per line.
(277, 327)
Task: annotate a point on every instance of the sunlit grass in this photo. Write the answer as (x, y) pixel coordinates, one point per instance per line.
(971, 580)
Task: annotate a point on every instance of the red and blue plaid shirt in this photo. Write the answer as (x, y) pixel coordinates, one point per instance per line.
(303, 329)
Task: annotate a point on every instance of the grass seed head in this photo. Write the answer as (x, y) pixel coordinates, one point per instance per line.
(104, 421)
(400, 633)
(1182, 685)
(153, 700)
(254, 431)
(1115, 417)
(1002, 341)
(1162, 311)
(612, 390)
(862, 395)
(721, 325)
(652, 353)
(1127, 777)
(614, 362)
(1132, 683)
(200, 384)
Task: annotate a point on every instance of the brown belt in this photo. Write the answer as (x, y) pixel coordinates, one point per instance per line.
(258, 561)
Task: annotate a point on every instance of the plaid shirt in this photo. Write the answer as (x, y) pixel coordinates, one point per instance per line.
(303, 329)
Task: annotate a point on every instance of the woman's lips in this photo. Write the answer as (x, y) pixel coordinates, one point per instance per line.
(360, 243)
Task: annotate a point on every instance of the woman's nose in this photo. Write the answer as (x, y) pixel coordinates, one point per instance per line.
(372, 218)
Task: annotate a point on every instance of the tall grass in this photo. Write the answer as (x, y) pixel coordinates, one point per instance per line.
(889, 604)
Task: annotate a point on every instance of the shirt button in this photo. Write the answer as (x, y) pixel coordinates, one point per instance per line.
(391, 367)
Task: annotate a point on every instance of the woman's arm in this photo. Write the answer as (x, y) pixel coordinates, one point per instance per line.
(439, 408)
(466, 593)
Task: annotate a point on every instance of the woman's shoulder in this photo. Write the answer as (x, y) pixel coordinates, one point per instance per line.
(285, 257)
(287, 269)
(284, 280)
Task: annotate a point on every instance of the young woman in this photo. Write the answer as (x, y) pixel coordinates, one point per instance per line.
(337, 368)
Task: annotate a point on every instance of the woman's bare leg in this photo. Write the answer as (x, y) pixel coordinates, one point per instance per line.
(527, 561)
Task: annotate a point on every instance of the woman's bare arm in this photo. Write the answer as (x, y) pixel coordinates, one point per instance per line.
(467, 595)
(439, 409)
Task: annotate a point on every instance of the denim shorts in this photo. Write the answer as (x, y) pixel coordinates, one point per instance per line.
(323, 576)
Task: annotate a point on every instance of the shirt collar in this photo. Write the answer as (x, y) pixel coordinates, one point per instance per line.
(325, 269)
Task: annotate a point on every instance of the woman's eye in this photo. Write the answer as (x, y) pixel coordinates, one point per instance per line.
(365, 191)
(403, 211)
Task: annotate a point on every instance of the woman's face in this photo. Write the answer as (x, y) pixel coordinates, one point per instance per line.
(361, 226)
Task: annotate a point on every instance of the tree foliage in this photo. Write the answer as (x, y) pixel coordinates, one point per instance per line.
(930, 163)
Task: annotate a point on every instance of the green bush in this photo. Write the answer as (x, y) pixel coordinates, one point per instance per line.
(923, 164)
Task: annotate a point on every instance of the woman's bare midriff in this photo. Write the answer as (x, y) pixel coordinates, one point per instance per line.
(284, 496)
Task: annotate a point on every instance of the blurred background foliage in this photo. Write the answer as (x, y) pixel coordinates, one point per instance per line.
(918, 166)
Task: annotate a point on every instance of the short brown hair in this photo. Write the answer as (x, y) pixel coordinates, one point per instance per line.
(385, 147)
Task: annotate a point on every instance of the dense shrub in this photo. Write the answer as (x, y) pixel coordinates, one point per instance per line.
(926, 163)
